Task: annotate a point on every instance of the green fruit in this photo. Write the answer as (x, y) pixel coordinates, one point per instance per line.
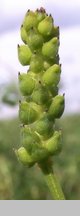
(45, 26)
(57, 107)
(30, 20)
(24, 156)
(50, 49)
(26, 84)
(40, 95)
(40, 154)
(36, 63)
(30, 139)
(24, 54)
(52, 75)
(54, 144)
(43, 126)
(34, 40)
(24, 35)
(29, 112)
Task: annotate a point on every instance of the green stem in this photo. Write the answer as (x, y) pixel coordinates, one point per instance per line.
(52, 182)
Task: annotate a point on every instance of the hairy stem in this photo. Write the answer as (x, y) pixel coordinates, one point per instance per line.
(52, 182)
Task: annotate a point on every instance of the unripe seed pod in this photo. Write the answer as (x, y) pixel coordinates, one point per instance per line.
(45, 26)
(24, 156)
(36, 63)
(53, 145)
(24, 54)
(40, 95)
(50, 49)
(57, 107)
(26, 84)
(44, 127)
(34, 40)
(29, 112)
(30, 139)
(24, 35)
(52, 75)
(30, 20)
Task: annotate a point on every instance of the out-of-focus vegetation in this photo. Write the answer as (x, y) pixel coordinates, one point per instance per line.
(9, 93)
(18, 182)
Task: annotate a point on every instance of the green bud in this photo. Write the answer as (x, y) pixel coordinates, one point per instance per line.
(57, 107)
(26, 84)
(53, 145)
(35, 40)
(24, 156)
(40, 95)
(30, 20)
(24, 35)
(24, 54)
(43, 126)
(36, 64)
(52, 75)
(45, 26)
(29, 112)
(50, 49)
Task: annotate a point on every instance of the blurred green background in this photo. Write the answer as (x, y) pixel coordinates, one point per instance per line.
(20, 183)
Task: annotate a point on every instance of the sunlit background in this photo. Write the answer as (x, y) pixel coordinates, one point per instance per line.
(15, 181)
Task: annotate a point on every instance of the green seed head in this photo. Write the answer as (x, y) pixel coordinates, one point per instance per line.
(41, 105)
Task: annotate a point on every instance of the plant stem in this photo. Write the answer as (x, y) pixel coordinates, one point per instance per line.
(52, 182)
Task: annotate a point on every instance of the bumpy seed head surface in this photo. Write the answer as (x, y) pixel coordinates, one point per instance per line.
(41, 105)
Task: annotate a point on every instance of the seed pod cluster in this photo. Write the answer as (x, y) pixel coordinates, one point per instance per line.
(41, 104)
